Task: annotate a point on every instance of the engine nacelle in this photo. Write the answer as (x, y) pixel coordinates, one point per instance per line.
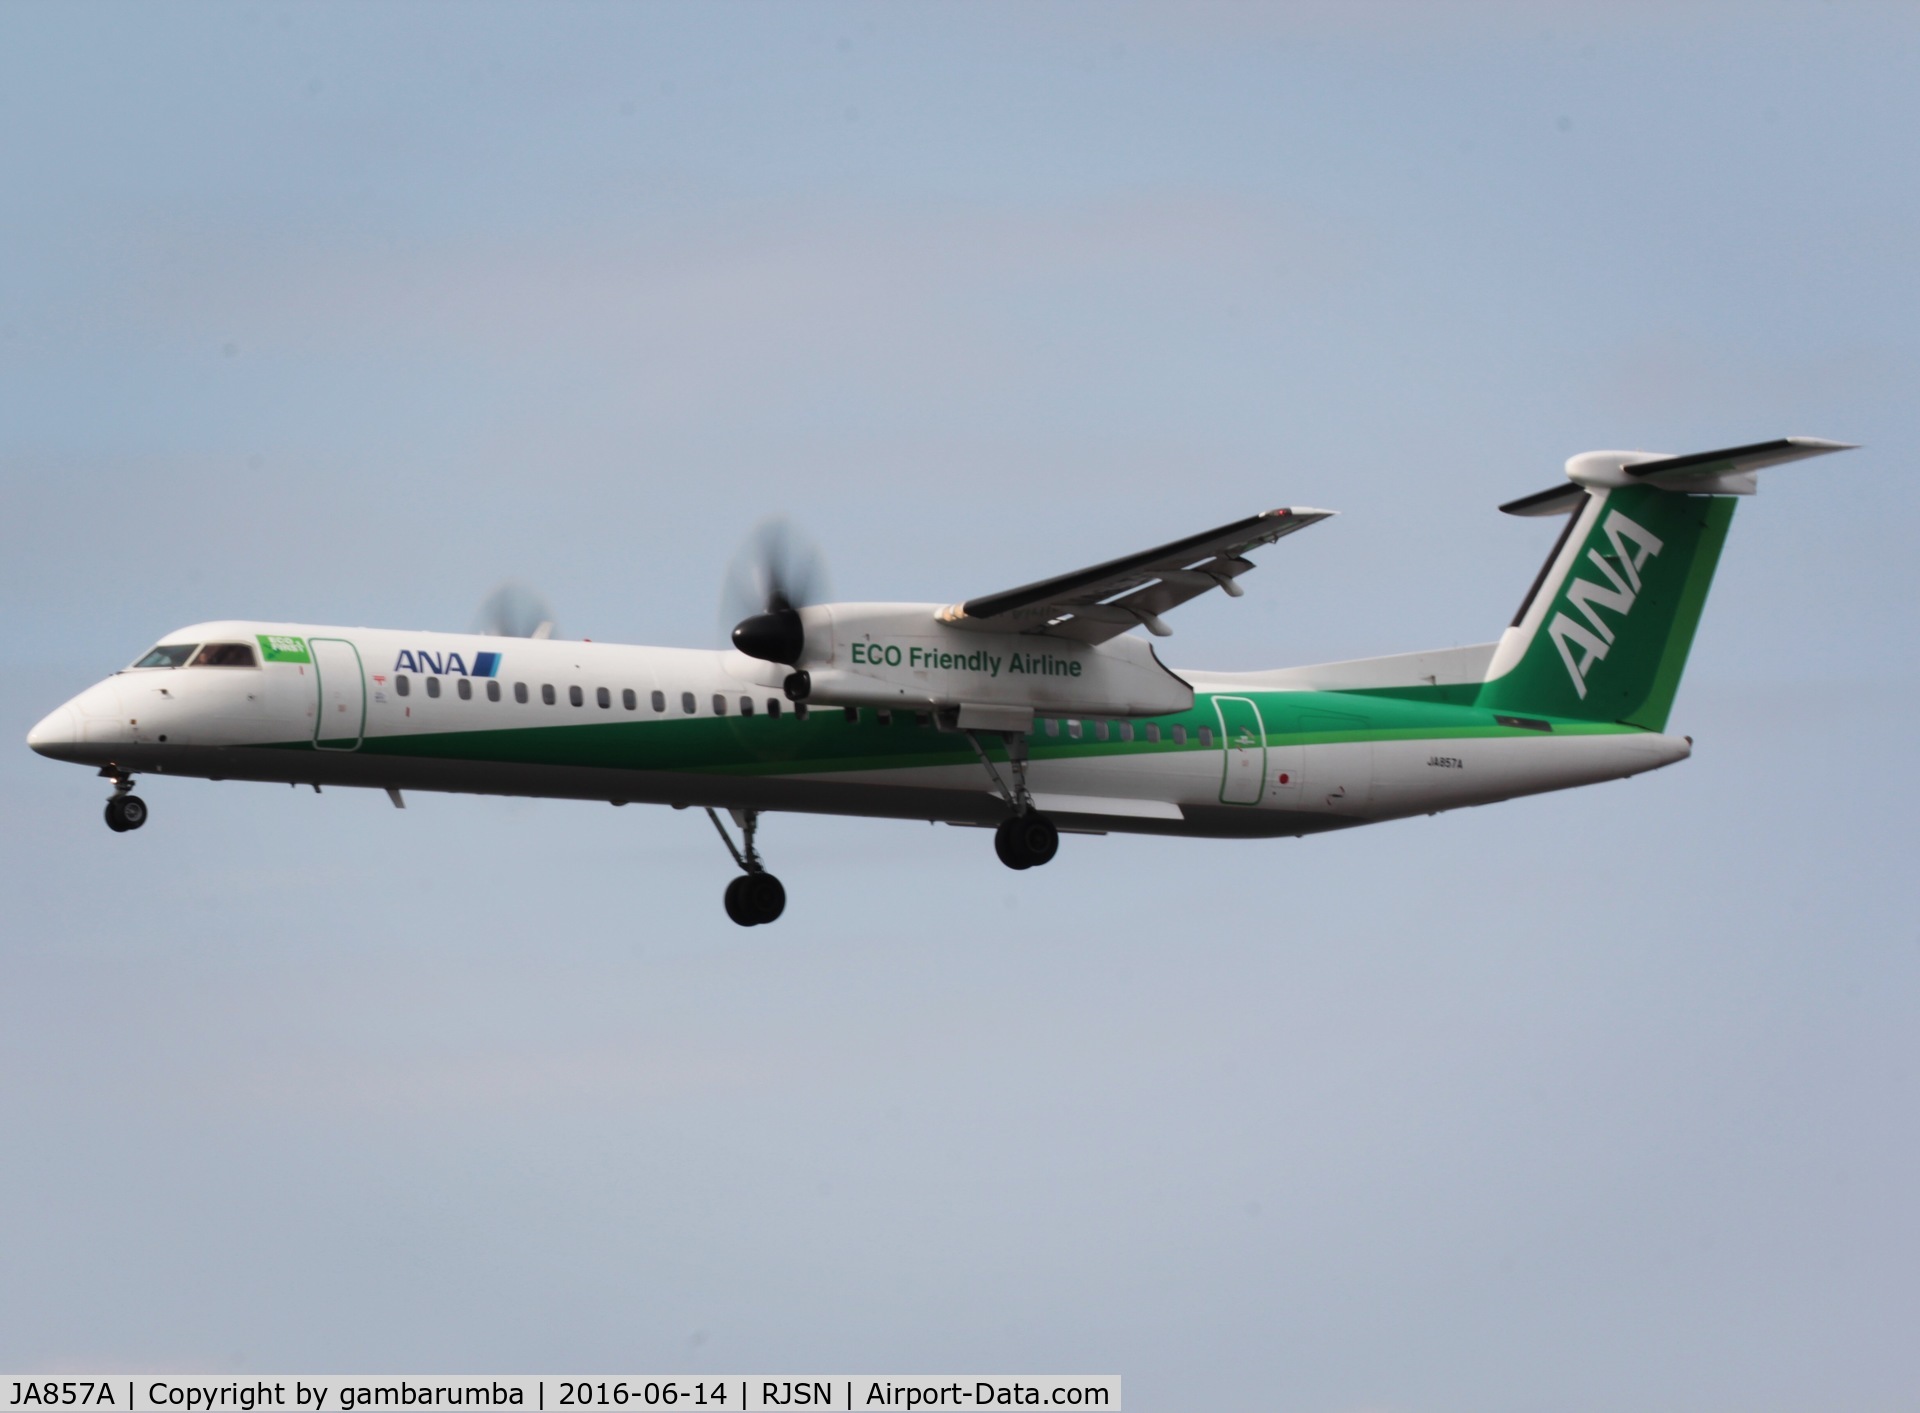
(903, 656)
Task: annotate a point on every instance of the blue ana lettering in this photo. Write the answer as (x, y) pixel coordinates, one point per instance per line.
(420, 660)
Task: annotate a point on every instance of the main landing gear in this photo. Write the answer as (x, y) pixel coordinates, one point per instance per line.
(1025, 838)
(756, 896)
(125, 810)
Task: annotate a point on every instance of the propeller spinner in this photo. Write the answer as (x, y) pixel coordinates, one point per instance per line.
(776, 573)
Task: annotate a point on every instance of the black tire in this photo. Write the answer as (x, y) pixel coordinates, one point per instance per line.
(1038, 838)
(765, 897)
(737, 902)
(126, 812)
(1010, 846)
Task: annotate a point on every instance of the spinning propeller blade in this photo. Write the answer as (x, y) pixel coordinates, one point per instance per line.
(516, 610)
(777, 572)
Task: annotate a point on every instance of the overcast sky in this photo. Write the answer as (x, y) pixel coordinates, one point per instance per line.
(343, 313)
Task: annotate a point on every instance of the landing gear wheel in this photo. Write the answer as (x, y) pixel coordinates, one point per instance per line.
(1006, 844)
(765, 895)
(126, 812)
(754, 898)
(1026, 840)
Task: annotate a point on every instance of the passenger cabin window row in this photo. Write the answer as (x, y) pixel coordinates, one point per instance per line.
(1123, 730)
(176, 655)
(602, 696)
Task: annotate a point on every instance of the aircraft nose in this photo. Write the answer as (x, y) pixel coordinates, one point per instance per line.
(57, 733)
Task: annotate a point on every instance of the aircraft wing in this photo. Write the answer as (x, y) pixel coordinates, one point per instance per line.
(1105, 600)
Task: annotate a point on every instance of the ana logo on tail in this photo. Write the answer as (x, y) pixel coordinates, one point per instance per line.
(1622, 570)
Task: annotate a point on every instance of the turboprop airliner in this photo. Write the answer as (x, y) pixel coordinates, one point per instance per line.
(1035, 711)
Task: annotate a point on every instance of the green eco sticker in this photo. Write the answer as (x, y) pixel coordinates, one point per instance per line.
(278, 649)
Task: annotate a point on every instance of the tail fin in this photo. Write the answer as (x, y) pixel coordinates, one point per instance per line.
(1605, 631)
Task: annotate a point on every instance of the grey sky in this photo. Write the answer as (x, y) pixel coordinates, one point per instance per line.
(344, 313)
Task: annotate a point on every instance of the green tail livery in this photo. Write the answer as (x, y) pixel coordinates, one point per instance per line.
(1030, 711)
(1608, 634)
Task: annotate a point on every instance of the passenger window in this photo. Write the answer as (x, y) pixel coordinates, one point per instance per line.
(1100, 730)
(433, 686)
(1073, 729)
(719, 704)
(746, 706)
(1053, 726)
(1206, 735)
(576, 696)
(1153, 732)
(520, 693)
(493, 691)
(1179, 735)
(883, 716)
(686, 703)
(604, 698)
(852, 714)
(223, 655)
(799, 711)
(402, 685)
(773, 706)
(629, 700)
(546, 693)
(1126, 730)
(167, 655)
(659, 700)
(465, 689)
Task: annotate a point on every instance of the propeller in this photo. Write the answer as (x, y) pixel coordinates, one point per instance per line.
(777, 572)
(516, 610)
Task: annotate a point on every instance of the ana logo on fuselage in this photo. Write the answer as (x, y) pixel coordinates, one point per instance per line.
(447, 664)
(1633, 545)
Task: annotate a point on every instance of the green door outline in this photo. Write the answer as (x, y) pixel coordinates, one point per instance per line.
(341, 742)
(1243, 751)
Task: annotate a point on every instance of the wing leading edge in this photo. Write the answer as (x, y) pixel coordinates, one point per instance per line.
(1105, 600)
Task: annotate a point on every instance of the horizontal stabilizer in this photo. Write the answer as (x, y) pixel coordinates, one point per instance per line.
(1555, 500)
(1679, 472)
(1731, 471)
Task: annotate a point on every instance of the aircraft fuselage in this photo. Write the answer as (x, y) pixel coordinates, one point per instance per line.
(1256, 755)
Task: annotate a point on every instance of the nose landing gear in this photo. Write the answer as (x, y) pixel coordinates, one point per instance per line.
(125, 810)
(756, 896)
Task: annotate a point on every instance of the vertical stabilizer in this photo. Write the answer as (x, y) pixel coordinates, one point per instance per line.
(1606, 632)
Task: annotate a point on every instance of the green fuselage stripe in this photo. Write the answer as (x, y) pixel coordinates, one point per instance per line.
(827, 741)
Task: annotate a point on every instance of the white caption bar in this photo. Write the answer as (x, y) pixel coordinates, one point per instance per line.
(720, 1393)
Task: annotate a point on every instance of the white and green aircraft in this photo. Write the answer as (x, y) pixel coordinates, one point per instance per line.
(1035, 711)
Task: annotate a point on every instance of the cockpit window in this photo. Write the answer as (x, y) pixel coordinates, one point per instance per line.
(224, 655)
(168, 655)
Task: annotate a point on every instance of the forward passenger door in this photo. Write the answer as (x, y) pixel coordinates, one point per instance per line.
(341, 722)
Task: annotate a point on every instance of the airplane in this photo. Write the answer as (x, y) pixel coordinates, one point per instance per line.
(1035, 711)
